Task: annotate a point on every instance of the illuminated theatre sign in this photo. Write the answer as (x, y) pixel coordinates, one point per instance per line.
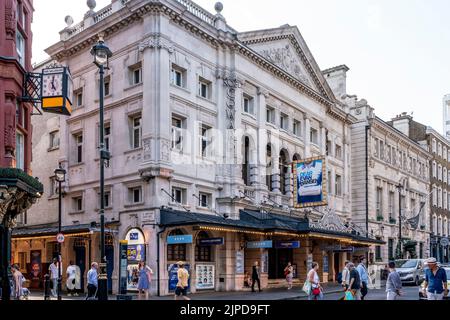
(56, 91)
(310, 183)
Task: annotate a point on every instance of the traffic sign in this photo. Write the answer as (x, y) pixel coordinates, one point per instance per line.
(60, 238)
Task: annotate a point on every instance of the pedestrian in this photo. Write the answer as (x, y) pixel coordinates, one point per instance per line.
(289, 274)
(256, 276)
(363, 274)
(92, 280)
(145, 278)
(345, 276)
(247, 280)
(17, 282)
(354, 286)
(316, 292)
(182, 284)
(71, 275)
(435, 285)
(54, 275)
(394, 283)
(77, 280)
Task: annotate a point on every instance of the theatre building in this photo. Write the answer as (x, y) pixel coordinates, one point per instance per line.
(203, 124)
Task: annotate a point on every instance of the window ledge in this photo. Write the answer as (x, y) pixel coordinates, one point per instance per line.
(52, 149)
(130, 87)
(76, 212)
(270, 124)
(106, 209)
(181, 88)
(250, 115)
(205, 99)
(76, 165)
(133, 150)
(130, 205)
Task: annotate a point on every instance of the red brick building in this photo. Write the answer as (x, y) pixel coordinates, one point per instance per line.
(15, 60)
(18, 190)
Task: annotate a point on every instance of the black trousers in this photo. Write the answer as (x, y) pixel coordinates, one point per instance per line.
(364, 290)
(92, 290)
(253, 284)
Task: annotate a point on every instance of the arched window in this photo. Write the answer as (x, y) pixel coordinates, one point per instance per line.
(269, 163)
(176, 252)
(296, 157)
(284, 169)
(246, 162)
(203, 252)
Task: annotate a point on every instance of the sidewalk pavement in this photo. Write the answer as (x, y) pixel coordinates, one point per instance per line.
(268, 294)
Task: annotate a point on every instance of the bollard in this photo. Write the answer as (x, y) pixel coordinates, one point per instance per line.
(46, 287)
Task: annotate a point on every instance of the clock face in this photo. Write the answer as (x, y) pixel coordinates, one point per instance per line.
(52, 85)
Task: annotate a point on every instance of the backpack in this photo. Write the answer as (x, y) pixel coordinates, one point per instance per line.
(339, 278)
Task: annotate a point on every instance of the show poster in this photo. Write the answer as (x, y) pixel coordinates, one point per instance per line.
(136, 252)
(132, 277)
(205, 275)
(310, 183)
(239, 262)
(326, 267)
(173, 276)
(36, 264)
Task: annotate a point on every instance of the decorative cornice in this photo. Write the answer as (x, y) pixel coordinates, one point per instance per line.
(156, 41)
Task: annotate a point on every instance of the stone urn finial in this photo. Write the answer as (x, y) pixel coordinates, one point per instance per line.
(218, 7)
(91, 4)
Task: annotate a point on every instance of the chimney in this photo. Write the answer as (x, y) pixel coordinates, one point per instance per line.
(401, 123)
(337, 80)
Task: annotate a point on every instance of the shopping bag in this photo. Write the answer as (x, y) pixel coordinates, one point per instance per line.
(307, 287)
(349, 296)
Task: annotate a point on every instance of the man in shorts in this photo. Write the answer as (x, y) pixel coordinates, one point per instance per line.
(182, 285)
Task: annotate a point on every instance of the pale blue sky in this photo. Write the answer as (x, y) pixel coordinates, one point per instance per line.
(398, 51)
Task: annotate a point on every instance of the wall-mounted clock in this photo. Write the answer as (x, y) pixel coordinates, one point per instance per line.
(57, 90)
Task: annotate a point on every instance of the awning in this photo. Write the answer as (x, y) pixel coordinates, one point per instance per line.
(25, 233)
(262, 223)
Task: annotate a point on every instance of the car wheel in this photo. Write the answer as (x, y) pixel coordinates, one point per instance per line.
(417, 282)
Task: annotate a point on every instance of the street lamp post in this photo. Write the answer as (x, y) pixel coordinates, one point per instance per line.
(60, 176)
(400, 187)
(101, 55)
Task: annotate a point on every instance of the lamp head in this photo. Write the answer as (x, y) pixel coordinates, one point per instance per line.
(101, 53)
(60, 175)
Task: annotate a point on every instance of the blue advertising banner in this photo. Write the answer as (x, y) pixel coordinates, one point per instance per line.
(310, 183)
(179, 239)
(260, 244)
(136, 252)
(287, 244)
(212, 241)
(173, 276)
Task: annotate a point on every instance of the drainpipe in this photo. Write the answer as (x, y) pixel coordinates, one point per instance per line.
(158, 259)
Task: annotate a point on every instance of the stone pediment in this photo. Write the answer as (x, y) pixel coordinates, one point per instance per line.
(285, 48)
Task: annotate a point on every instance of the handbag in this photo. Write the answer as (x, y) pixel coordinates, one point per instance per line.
(307, 287)
(349, 296)
(286, 273)
(316, 291)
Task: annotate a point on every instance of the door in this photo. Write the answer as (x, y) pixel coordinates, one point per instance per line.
(337, 263)
(278, 260)
(109, 253)
(80, 260)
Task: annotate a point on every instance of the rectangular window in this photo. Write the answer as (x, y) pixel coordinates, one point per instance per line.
(297, 128)
(107, 199)
(205, 140)
(79, 147)
(54, 140)
(53, 187)
(20, 151)
(379, 203)
(177, 134)
(135, 195)
(137, 76)
(107, 86)
(79, 97)
(178, 76)
(77, 204)
(314, 136)
(338, 185)
(382, 150)
(248, 104)
(270, 115)
(107, 135)
(391, 205)
(204, 88)
(179, 195)
(135, 131)
(284, 121)
(338, 152)
(204, 200)
(391, 249)
(20, 47)
(377, 148)
(378, 253)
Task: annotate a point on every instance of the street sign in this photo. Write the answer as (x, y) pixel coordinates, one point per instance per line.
(445, 242)
(182, 239)
(260, 244)
(287, 244)
(60, 238)
(211, 241)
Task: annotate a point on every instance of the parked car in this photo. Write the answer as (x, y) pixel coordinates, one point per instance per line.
(422, 297)
(411, 271)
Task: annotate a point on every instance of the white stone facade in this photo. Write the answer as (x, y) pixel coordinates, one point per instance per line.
(174, 72)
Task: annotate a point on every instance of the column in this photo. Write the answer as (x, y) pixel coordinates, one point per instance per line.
(307, 137)
(323, 139)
